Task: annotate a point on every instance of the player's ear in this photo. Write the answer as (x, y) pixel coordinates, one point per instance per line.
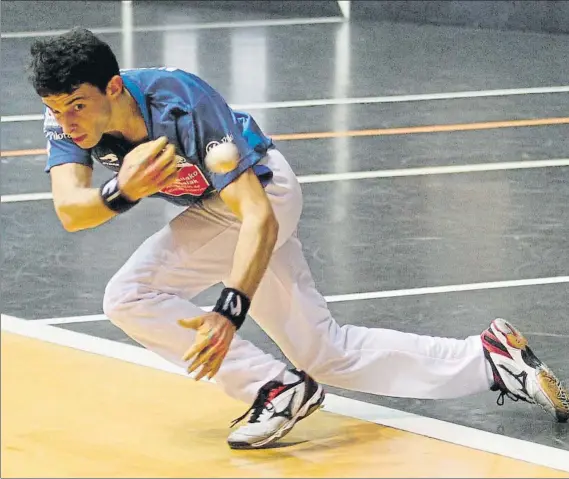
(115, 86)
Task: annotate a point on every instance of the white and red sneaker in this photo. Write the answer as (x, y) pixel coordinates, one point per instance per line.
(519, 374)
(277, 408)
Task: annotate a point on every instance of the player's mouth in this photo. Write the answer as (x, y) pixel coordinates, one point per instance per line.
(79, 139)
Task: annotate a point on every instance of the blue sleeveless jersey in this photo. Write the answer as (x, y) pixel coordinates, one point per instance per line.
(192, 115)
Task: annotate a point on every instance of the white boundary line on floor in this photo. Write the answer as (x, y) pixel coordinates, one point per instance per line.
(445, 431)
(19, 118)
(434, 170)
(396, 293)
(365, 175)
(402, 98)
(285, 22)
(25, 197)
(359, 101)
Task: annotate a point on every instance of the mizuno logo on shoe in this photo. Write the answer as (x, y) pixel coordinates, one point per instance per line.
(287, 411)
(520, 378)
(275, 411)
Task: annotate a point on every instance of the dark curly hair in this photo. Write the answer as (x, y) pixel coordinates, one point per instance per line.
(61, 64)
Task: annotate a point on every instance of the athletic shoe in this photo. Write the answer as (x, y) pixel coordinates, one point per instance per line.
(275, 411)
(519, 374)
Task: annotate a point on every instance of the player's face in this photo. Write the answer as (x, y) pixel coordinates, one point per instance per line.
(83, 114)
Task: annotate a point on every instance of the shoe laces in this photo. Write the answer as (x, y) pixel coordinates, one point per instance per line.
(505, 393)
(262, 402)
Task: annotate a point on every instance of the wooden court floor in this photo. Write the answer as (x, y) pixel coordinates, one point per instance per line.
(70, 413)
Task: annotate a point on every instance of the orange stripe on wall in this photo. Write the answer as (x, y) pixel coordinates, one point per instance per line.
(489, 125)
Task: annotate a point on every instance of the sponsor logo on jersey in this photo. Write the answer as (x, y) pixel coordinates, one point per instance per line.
(213, 144)
(190, 181)
(55, 135)
(109, 159)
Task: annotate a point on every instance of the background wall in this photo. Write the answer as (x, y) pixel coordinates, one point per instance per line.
(548, 16)
(300, 8)
(545, 15)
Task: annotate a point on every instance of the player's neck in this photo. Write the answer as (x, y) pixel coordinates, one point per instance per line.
(128, 122)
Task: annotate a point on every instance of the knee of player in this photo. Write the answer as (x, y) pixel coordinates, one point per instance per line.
(111, 304)
(118, 300)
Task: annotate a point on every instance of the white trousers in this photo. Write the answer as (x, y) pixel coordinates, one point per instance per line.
(195, 250)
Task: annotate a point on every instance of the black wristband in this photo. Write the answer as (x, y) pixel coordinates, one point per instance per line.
(233, 304)
(112, 197)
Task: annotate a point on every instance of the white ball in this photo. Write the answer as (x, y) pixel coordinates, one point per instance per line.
(222, 158)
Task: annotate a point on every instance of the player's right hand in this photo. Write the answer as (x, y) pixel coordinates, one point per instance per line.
(147, 169)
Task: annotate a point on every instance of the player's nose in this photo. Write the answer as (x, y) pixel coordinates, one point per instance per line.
(68, 127)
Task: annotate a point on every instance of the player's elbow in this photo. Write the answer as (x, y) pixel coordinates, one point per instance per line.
(67, 222)
(66, 217)
(71, 228)
(263, 221)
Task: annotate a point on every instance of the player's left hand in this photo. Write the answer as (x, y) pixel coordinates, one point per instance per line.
(214, 335)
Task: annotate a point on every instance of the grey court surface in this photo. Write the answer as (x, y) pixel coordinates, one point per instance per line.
(371, 235)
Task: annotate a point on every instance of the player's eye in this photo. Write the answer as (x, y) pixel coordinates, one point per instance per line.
(78, 106)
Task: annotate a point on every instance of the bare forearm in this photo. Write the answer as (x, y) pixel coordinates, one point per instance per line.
(146, 169)
(83, 208)
(255, 245)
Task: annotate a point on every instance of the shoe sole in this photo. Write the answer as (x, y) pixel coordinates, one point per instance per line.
(309, 407)
(549, 386)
